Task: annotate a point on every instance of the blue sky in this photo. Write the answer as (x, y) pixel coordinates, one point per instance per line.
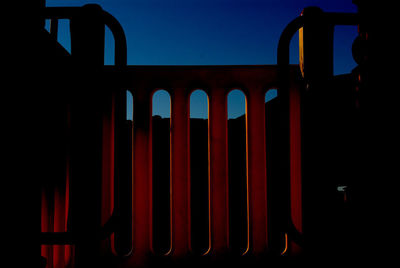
(212, 32)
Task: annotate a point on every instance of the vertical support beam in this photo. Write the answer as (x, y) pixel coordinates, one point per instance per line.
(296, 204)
(54, 28)
(87, 110)
(180, 172)
(39, 6)
(256, 169)
(376, 133)
(87, 37)
(108, 137)
(218, 148)
(316, 62)
(316, 46)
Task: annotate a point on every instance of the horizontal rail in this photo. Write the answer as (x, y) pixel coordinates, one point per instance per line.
(195, 77)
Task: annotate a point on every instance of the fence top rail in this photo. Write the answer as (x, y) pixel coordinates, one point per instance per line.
(150, 77)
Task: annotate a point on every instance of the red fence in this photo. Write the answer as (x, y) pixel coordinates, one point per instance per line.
(98, 207)
(216, 81)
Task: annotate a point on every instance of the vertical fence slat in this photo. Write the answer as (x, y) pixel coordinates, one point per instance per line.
(142, 182)
(54, 28)
(180, 173)
(218, 165)
(256, 170)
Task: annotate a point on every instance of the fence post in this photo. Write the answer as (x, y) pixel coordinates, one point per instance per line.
(87, 102)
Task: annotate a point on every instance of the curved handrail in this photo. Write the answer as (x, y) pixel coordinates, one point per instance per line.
(119, 37)
(283, 75)
(110, 21)
(283, 88)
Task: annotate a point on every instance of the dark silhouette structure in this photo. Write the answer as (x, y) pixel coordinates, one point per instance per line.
(289, 182)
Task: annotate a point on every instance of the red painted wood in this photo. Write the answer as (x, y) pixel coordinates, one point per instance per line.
(142, 182)
(180, 173)
(256, 170)
(54, 219)
(218, 165)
